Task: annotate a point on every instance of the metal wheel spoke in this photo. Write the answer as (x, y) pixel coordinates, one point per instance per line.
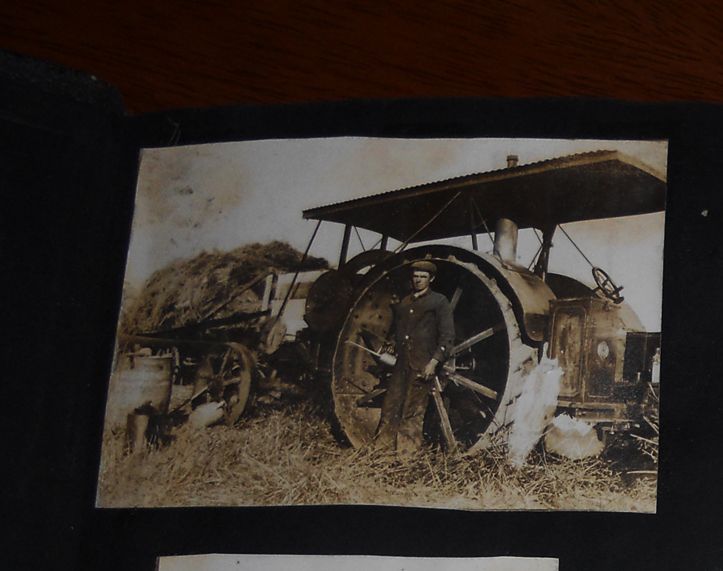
(469, 383)
(444, 422)
(471, 341)
(455, 298)
(370, 396)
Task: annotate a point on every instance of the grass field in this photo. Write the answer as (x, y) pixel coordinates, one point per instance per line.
(289, 456)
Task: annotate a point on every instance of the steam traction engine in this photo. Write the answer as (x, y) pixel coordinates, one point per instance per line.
(504, 313)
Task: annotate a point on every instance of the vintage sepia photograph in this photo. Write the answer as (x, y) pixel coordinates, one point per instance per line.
(228, 562)
(444, 323)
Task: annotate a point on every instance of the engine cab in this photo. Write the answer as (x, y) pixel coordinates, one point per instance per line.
(604, 354)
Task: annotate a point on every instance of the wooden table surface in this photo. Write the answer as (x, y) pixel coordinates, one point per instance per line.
(165, 55)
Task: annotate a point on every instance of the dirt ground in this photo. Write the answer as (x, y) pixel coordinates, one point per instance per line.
(288, 455)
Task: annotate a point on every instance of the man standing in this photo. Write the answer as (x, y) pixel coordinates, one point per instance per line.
(424, 333)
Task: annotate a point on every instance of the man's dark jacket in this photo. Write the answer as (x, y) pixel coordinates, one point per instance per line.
(424, 329)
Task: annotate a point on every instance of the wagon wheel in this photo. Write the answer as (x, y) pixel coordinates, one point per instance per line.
(236, 376)
(484, 377)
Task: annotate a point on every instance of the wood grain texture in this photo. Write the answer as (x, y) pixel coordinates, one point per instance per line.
(165, 55)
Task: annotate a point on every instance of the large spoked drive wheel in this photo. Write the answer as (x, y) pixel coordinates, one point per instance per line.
(483, 377)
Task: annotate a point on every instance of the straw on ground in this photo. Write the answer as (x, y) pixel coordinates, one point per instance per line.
(291, 457)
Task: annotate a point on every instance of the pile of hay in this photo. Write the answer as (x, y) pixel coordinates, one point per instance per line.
(208, 285)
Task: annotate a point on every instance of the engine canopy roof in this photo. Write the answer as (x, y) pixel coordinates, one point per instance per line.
(586, 186)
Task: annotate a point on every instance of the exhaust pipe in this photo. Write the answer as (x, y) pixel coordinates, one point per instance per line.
(505, 247)
(506, 240)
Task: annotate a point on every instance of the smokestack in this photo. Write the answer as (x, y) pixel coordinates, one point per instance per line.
(506, 240)
(512, 161)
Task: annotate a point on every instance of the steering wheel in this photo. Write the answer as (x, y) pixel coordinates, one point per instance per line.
(606, 286)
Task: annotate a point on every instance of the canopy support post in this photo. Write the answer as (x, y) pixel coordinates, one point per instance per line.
(544, 258)
(344, 245)
(385, 241)
(472, 227)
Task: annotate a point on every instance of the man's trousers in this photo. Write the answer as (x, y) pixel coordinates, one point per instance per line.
(405, 403)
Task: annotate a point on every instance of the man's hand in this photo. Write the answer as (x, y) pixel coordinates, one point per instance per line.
(430, 369)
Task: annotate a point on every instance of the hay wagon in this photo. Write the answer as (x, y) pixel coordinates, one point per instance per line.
(221, 356)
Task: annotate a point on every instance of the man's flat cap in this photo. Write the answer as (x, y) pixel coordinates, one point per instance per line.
(424, 266)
